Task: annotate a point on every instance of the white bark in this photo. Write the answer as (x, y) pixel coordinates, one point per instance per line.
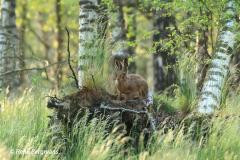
(88, 35)
(2, 48)
(9, 43)
(211, 93)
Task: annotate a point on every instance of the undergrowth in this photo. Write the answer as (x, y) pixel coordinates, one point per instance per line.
(24, 126)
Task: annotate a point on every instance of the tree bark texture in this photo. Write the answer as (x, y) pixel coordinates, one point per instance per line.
(9, 47)
(88, 35)
(211, 93)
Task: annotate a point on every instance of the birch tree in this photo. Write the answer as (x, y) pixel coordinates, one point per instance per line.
(88, 35)
(9, 47)
(2, 48)
(211, 93)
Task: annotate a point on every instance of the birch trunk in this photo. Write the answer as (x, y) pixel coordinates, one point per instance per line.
(211, 93)
(88, 35)
(9, 47)
(3, 44)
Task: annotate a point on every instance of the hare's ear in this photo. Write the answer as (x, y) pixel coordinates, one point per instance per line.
(118, 65)
(125, 64)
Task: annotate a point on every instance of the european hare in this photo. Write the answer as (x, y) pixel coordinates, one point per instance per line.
(130, 86)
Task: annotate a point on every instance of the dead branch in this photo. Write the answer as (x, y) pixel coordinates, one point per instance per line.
(30, 69)
(69, 59)
(152, 121)
(94, 82)
(55, 102)
(102, 106)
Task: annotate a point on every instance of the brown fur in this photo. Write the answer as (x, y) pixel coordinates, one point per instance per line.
(131, 86)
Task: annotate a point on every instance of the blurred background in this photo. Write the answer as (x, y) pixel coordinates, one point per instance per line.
(168, 43)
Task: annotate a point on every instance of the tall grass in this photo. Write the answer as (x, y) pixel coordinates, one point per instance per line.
(24, 125)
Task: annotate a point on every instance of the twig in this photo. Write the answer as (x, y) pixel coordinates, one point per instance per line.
(30, 69)
(145, 111)
(94, 82)
(69, 60)
(122, 109)
(54, 97)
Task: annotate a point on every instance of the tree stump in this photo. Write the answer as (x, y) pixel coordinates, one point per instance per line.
(99, 102)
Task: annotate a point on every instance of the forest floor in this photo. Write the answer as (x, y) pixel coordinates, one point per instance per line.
(24, 134)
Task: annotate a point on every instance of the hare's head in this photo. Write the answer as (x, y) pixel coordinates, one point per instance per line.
(120, 68)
